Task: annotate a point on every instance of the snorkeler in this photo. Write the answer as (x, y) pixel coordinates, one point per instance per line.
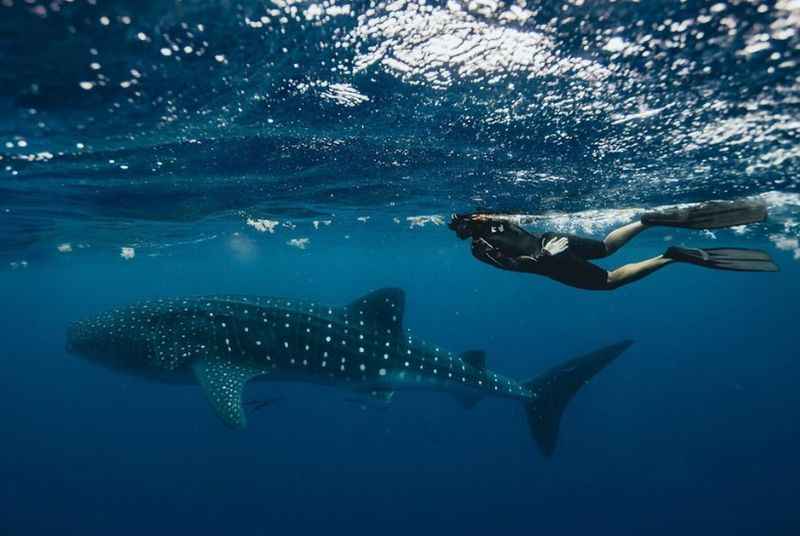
(565, 258)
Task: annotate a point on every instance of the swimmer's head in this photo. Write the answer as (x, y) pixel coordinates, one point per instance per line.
(462, 224)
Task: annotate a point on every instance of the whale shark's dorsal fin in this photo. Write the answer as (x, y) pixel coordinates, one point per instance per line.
(223, 381)
(475, 358)
(384, 308)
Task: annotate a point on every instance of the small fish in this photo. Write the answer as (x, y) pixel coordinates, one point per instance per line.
(256, 405)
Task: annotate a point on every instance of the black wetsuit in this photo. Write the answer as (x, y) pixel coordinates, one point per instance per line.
(501, 244)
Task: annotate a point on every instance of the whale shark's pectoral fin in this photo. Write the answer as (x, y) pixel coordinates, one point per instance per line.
(223, 382)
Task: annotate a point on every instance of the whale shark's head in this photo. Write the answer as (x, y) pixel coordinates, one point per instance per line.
(156, 339)
(82, 338)
(104, 340)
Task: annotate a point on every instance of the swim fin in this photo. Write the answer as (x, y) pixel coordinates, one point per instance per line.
(712, 215)
(737, 259)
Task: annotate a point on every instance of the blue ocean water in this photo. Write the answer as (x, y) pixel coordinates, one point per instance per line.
(315, 150)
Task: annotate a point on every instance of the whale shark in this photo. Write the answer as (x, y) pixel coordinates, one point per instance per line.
(223, 342)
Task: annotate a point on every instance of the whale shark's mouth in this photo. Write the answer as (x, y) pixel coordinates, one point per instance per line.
(84, 340)
(69, 345)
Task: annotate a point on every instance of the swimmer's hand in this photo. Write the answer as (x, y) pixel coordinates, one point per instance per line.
(555, 246)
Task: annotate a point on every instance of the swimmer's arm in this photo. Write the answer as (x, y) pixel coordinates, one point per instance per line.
(484, 250)
(551, 248)
(527, 262)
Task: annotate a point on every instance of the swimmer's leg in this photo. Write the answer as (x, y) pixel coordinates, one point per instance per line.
(619, 237)
(635, 271)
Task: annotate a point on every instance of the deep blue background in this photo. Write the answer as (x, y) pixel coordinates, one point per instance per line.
(691, 431)
(195, 122)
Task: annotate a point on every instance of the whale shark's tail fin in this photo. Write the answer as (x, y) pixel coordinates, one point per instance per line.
(553, 390)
